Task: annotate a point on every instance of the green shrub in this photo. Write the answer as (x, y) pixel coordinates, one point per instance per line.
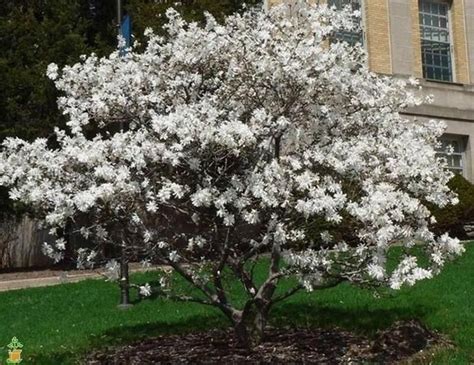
(453, 218)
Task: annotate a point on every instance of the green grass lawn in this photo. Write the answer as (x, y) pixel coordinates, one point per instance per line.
(57, 325)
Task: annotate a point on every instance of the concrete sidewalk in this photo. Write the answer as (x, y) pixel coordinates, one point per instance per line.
(56, 277)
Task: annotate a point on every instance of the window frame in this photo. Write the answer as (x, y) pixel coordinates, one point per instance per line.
(461, 141)
(449, 29)
(362, 37)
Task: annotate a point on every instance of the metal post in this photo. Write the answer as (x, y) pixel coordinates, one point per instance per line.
(119, 15)
(119, 33)
(124, 280)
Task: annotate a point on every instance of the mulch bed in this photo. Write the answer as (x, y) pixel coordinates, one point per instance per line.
(281, 346)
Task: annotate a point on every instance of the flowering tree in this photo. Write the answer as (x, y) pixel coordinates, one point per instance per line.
(235, 137)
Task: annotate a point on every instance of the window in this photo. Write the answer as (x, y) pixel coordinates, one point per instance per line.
(435, 40)
(452, 149)
(354, 36)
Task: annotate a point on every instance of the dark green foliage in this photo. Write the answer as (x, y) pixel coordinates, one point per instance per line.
(453, 218)
(34, 33)
(343, 231)
(152, 13)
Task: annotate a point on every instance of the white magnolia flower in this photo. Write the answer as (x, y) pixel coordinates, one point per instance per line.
(60, 244)
(52, 71)
(145, 290)
(112, 270)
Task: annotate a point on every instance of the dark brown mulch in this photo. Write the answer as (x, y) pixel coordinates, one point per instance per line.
(290, 346)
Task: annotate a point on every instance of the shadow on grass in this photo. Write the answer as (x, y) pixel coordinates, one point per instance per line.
(127, 334)
(138, 332)
(362, 321)
(290, 314)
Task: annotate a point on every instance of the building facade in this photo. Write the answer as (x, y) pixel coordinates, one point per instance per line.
(432, 40)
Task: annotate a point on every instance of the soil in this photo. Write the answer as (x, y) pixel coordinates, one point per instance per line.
(281, 346)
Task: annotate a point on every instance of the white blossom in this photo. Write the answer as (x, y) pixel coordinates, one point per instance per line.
(112, 270)
(145, 290)
(52, 71)
(60, 244)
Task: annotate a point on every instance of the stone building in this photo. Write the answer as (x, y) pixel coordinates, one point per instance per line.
(432, 40)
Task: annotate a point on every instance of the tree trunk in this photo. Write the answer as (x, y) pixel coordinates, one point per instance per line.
(250, 326)
(250, 323)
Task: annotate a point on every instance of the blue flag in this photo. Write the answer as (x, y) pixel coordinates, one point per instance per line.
(126, 32)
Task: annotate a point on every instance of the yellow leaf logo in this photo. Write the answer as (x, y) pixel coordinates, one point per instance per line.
(14, 351)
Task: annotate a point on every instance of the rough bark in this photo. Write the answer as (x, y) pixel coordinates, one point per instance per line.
(249, 328)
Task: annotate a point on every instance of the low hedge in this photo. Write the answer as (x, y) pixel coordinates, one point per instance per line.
(453, 218)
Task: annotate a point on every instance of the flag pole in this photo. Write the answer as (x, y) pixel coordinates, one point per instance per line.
(124, 279)
(119, 15)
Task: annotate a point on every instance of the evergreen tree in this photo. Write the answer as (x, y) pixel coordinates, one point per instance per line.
(34, 33)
